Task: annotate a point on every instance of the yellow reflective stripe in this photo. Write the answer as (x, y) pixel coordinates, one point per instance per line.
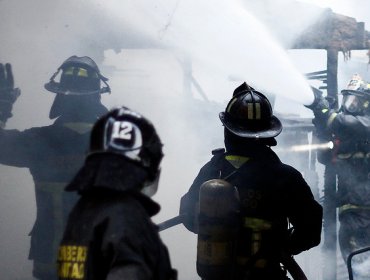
(344, 156)
(331, 118)
(81, 72)
(258, 111)
(68, 71)
(346, 207)
(230, 105)
(357, 155)
(236, 161)
(250, 111)
(79, 127)
(257, 224)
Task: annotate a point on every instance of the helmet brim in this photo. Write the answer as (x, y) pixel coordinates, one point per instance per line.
(353, 92)
(55, 88)
(273, 129)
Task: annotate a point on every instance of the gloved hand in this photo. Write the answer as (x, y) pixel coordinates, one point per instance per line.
(8, 94)
(189, 212)
(320, 106)
(319, 102)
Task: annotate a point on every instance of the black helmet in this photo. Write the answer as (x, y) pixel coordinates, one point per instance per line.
(127, 133)
(80, 76)
(356, 97)
(249, 114)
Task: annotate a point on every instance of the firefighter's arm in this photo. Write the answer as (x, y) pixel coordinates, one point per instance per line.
(135, 272)
(129, 271)
(20, 148)
(189, 205)
(305, 214)
(123, 250)
(320, 104)
(307, 229)
(133, 260)
(321, 110)
(350, 124)
(8, 94)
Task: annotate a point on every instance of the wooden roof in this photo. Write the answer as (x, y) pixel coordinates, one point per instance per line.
(334, 31)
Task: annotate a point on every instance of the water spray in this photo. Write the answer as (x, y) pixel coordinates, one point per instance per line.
(232, 43)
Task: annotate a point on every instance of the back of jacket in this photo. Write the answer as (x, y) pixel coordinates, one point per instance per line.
(109, 235)
(53, 154)
(271, 195)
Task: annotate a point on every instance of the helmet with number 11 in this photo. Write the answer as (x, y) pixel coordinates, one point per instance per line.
(249, 115)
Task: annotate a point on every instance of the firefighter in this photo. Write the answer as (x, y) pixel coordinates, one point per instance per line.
(271, 195)
(53, 153)
(349, 130)
(109, 234)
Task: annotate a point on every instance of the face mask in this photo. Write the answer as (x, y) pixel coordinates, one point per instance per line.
(352, 104)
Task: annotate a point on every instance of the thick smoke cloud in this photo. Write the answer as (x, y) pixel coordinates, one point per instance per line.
(147, 49)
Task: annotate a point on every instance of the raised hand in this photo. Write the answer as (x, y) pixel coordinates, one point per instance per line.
(8, 94)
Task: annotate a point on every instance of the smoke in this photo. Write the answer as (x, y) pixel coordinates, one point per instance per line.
(147, 49)
(228, 47)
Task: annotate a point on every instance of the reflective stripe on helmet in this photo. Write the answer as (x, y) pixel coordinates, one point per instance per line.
(231, 105)
(250, 111)
(254, 112)
(258, 111)
(80, 72)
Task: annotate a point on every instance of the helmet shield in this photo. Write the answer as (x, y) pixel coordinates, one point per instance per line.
(249, 115)
(351, 104)
(78, 76)
(356, 98)
(150, 187)
(130, 135)
(123, 137)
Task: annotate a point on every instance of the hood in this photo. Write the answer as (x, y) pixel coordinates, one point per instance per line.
(108, 171)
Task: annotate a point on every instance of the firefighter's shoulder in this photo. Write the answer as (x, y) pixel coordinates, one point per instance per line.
(218, 151)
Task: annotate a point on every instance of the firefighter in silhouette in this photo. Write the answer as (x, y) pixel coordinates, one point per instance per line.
(349, 130)
(53, 154)
(265, 195)
(109, 231)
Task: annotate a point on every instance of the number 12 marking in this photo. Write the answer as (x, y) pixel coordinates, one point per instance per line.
(122, 130)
